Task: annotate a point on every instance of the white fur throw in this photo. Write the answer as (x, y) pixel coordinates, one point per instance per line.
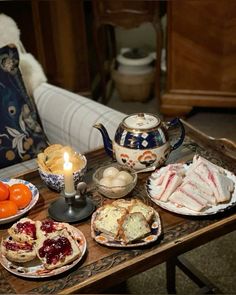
(32, 72)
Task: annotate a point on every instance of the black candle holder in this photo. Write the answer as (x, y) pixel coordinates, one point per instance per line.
(72, 207)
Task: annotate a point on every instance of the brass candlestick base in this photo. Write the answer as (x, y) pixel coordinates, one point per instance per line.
(72, 208)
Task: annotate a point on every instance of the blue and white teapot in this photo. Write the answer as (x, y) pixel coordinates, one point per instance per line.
(142, 140)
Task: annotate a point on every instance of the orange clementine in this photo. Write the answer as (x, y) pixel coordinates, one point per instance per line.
(4, 191)
(20, 194)
(7, 209)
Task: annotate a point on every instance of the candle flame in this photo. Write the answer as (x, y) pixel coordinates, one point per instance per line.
(66, 157)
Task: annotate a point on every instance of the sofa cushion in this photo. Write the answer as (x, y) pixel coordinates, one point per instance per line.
(21, 134)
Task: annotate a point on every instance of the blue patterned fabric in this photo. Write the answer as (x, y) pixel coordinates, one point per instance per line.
(21, 135)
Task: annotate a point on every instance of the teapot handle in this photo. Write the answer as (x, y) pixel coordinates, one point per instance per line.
(177, 123)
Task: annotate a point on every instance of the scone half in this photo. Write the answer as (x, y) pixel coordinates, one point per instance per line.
(48, 227)
(16, 251)
(57, 250)
(23, 230)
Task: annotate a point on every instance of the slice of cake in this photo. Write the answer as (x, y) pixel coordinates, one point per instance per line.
(134, 226)
(123, 203)
(139, 206)
(107, 220)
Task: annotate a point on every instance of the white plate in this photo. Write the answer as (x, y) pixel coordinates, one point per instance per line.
(35, 196)
(150, 187)
(110, 242)
(35, 269)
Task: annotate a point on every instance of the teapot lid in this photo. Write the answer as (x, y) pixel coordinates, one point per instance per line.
(141, 121)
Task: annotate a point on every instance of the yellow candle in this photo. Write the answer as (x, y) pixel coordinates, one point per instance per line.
(68, 176)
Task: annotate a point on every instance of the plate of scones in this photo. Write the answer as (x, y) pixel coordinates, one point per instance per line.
(38, 249)
(125, 223)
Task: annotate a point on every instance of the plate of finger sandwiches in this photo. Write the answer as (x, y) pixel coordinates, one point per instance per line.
(198, 189)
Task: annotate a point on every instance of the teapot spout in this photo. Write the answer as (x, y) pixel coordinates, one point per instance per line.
(106, 139)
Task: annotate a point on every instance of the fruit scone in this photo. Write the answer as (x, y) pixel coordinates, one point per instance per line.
(16, 251)
(20, 245)
(51, 242)
(23, 231)
(47, 227)
(57, 249)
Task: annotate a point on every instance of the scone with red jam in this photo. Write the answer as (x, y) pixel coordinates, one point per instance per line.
(23, 231)
(48, 227)
(57, 249)
(16, 251)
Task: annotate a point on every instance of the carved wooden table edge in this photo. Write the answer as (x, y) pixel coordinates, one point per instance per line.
(123, 264)
(152, 258)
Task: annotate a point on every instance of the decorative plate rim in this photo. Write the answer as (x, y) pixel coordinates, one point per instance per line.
(117, 244)
(21, 212)
(12, 267)
(185, 211)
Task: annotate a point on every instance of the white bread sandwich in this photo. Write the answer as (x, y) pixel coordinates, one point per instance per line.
(57, 250)
(225, 187)
(173, 183)
(193, 194)
(207, 175)
(179, 198)
(193, 177)
(134, 226)
(221, 186)
(18, 252)
(23, 230)
(107, 220)
(169, 184)
(191, 187)
(159, 175)
(197, 160)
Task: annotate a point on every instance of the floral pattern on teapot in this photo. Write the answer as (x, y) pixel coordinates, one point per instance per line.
(140, 159)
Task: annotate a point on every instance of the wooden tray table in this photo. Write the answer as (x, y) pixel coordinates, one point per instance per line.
(103, 267)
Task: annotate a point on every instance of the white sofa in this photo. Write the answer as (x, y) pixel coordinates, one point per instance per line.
(68, 118)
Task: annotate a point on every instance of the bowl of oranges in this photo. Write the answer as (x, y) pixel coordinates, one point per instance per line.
(17, 196)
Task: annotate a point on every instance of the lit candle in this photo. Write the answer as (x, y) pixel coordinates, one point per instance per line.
(68, 176)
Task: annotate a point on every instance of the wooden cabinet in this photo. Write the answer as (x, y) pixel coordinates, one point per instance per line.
(201, 53)
(126, 14)
(55, 33)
